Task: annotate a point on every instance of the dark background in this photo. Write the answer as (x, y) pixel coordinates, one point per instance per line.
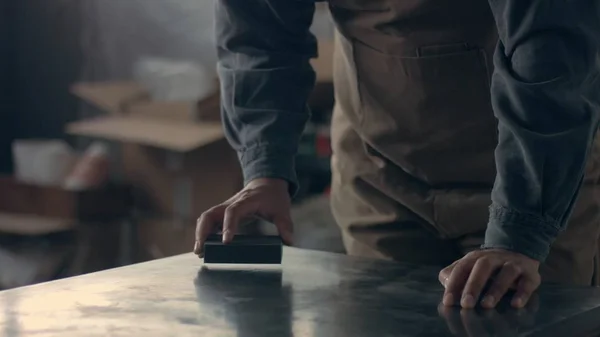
(6, 103)
(40, 58)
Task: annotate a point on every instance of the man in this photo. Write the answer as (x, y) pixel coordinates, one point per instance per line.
(419, 144)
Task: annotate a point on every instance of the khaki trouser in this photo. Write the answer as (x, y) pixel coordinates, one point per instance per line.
(413, 136)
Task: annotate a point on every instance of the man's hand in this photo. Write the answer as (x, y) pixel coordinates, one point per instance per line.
(268, 199)
(466, 278)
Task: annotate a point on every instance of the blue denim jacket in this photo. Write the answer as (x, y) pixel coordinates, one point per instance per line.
(544, 63)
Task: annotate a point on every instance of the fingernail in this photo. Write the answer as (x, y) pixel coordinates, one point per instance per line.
(196, 247)
(448, 300)
(468, 301)
(488, 301)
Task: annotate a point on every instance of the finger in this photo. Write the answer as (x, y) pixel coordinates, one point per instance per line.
(527, 285)
(456, 281)
(285, 227)
(509, 273)
(445, 273)
(206, 225)
(481, 273)
(234, 214)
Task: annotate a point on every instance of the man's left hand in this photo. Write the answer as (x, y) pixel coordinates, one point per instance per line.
(466, 278)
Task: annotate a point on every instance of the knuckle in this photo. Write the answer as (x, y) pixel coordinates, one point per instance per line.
(208, 213)
(244, 194)
(485, 261)
(232, 209)
(214, 209)
(513, 268)
(203, 217)
(458, 268)
(207, 219)
(443, 275)
(235, 209)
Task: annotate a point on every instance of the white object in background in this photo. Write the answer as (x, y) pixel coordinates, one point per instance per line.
(171, 80)
(23, 271)
(42, 162)
(92, 169)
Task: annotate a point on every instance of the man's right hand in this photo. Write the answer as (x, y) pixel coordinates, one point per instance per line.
(265, 198)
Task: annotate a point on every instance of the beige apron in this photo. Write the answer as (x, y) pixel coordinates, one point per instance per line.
(414, 135)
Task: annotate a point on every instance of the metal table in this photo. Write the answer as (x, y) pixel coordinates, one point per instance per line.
(313, 294)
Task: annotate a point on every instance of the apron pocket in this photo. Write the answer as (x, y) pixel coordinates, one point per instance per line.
(429, 114)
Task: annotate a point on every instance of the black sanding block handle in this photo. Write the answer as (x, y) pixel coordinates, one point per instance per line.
(244, 249)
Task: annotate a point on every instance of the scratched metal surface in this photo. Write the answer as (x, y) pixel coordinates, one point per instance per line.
(313, 294)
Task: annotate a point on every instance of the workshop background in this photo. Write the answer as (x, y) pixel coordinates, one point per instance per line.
(110, 139)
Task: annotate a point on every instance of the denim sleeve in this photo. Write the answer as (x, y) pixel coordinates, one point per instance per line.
(264, 48)
(544, 65)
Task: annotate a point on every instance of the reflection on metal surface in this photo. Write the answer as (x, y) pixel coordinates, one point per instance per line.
(255, 301)
(311, 294)
(500, 322)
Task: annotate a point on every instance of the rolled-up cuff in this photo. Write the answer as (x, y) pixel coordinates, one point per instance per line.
(526, 234)
(269, 162)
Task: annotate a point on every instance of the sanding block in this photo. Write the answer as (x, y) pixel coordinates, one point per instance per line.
(244, 249)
